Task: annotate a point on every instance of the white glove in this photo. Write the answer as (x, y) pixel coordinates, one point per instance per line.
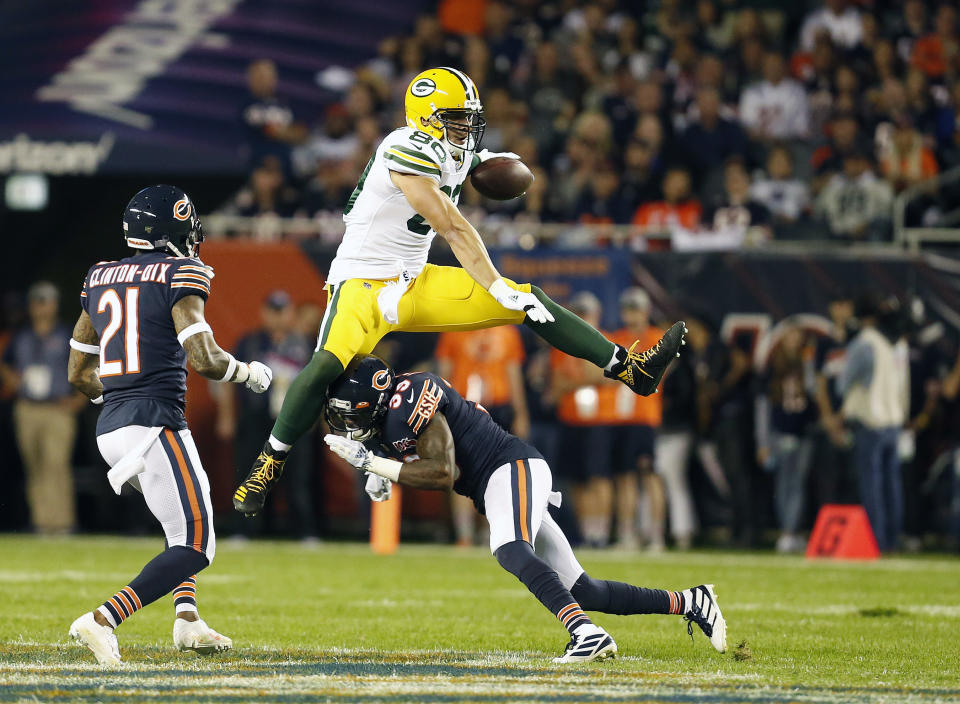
(485, 154)
(260, 377)
(351, 450)
(378, 488)
(513, 299)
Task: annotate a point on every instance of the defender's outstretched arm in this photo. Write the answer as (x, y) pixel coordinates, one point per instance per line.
(206, 356)
(84, 363)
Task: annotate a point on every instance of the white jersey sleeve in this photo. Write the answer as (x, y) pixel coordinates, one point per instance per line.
(409, 151)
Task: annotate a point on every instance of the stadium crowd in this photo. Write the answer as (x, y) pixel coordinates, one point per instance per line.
(718, 121)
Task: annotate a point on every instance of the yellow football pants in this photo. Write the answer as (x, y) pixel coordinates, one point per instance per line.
(440, 298)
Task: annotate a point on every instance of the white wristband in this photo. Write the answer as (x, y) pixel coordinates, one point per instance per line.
(98, 401)
(389, 469)
(84, 347)
(192, 330)
(243, 373)
(231, 367)
(500, 288)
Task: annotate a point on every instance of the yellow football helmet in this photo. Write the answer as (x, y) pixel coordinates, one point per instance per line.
(444, 103)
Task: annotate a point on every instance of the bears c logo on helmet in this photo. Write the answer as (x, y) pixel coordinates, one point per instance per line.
(423, 87)
(182, 209)
(381, 380)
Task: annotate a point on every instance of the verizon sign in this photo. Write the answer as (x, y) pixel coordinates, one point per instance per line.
(115, 68)
(54, 156)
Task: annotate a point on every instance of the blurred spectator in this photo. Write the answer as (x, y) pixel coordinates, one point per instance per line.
(266, 193)
(678, 207)
(242, 417)
(34, 365)
(601, 200)
(583, 432)
(876, 387)
(335, 141)
(712, 139)
(844, 138)
(270, 125)
(785, 196)
(641, 174)
(938, 54)
(784, 446)
(913, 25)
(485, 367)
(906, 161)
(838, 19)
(777, 107)
(832, 440)
(634, 421)
(737, 213)
(856, 204)
(551, 93)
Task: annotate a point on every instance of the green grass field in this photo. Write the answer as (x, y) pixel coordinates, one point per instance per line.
(437, 624)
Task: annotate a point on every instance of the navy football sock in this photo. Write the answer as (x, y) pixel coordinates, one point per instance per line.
(158, 577)
(519, 559)
(619, 598)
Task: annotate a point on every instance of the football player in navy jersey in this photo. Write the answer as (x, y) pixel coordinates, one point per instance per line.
(142, 320)
(415, 429)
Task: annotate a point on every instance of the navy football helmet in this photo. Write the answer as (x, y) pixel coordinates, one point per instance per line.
(357, 399)
(163, 217)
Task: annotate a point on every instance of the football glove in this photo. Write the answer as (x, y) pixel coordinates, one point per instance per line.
(351, 450)
(512, 299)
(485, 154)
(378, 488)
(260, 377)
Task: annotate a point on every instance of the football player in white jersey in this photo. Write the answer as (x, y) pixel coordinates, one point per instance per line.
(380, 280)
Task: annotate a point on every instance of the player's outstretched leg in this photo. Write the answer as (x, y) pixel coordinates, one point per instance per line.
(697, 605)
(168, 569)
(641, 370)
(301, 409)
(190, 632)
(587, 640)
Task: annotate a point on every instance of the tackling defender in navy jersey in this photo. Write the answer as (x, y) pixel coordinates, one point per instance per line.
(142, 319)
(427, 436)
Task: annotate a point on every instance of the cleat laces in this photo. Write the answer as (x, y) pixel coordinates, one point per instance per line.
(265, 473)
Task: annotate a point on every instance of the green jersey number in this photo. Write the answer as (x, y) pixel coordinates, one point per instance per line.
(419, 138)
(418, 225)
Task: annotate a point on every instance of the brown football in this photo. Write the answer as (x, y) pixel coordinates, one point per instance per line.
(501, 178)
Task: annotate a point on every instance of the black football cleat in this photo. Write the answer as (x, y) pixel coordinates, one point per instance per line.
(250, 496)
(642, 371)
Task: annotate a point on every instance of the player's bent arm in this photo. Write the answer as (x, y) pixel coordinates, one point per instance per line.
(206, 356)
(441, 213)
(437, 466)
(84, 362)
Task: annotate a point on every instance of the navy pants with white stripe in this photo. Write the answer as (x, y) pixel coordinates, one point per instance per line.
(177, 492)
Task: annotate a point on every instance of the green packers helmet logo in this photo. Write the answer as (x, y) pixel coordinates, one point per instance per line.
(423, 87)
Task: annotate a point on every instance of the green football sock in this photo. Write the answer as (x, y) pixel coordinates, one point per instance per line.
(571, 334)
(304, 400)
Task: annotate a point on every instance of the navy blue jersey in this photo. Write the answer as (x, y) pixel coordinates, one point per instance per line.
(481, 445)
(142, 365)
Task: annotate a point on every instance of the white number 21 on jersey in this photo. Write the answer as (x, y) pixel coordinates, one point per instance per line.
(131, 334)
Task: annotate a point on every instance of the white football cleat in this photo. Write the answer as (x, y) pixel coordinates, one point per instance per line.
(588, 642)
(100, 639)
(705, 612)
(198, 636)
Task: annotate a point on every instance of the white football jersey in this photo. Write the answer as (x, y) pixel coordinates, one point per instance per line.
(384, 234)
